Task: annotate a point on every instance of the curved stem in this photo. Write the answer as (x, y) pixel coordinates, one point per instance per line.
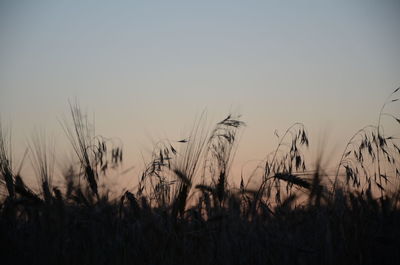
(345, 151)
(378, 141)
(275, 154)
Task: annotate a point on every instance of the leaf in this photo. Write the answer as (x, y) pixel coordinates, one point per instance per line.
(397, 148)
(182, 176)
(226, 119)
(204, 188)
(173, 149)
(379, 186)
(384, 177)
(276, 133)
(298, 162)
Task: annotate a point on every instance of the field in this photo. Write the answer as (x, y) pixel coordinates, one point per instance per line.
(185, 210)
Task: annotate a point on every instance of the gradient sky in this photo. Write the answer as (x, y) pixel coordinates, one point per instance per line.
(146, 68)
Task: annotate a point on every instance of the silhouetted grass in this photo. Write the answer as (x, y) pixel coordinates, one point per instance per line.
(186, 211)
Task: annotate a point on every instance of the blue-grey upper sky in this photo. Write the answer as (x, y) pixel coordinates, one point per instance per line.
(147, 68)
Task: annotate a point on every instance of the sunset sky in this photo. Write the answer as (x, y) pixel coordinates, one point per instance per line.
(145, 69)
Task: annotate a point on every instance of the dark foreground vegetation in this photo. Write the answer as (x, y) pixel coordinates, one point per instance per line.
(185, 210)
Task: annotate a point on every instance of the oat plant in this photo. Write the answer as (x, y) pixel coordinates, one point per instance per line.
(371, 158)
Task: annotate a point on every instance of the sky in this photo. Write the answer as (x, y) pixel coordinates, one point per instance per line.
(145, 69)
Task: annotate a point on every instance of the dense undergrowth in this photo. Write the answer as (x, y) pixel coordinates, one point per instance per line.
(186, 211)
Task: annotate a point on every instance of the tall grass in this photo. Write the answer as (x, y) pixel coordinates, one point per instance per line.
(185, 209)
(370, 155)
(42, 156)
(6, 162)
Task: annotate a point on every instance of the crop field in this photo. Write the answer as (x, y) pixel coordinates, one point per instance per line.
(185, 209)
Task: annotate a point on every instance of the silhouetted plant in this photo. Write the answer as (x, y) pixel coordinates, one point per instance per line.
(165, 221)
(90, 149)
(284, 162)
(42, 157)
(6, 162)
(370, 154)
(221, 148)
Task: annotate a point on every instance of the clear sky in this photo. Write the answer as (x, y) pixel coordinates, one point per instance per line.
(147, 68)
